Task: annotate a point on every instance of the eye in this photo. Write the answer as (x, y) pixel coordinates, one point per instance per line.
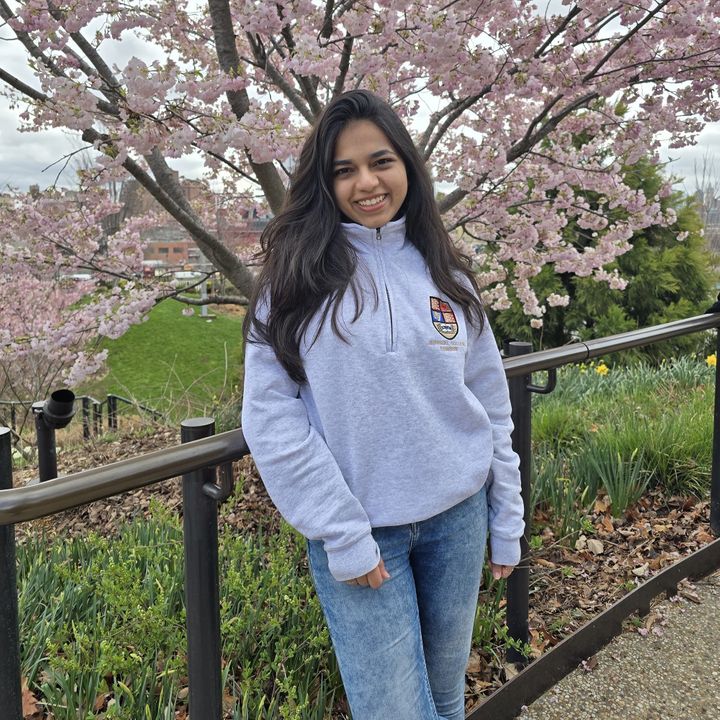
(338, 172)
(385, 161)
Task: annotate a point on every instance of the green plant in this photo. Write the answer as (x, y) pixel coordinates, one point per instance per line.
(624, 480)
(103, 621)
(561, 495)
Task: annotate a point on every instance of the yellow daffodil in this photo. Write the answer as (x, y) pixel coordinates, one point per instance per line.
(602, 369)
(711, 360)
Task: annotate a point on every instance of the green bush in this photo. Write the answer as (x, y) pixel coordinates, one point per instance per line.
(621, 429)
(103, 621)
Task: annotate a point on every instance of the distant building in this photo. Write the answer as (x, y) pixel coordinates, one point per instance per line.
(169, 244)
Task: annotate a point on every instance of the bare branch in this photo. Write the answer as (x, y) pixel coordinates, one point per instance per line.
(209, 300)
(20, 86)
(235, 168)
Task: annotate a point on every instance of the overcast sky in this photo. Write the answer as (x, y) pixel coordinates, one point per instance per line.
(25, 157)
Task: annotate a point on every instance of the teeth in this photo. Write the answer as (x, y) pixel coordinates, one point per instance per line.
(373, 201)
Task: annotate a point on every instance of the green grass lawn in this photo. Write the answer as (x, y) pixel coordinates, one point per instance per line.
(177, 364)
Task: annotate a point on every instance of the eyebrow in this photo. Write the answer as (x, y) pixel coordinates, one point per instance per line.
(373, 156)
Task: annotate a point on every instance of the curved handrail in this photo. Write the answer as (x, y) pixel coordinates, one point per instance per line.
(579, 352)
(38, 500)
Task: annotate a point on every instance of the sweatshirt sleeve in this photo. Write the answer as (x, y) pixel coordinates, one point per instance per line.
(298, 469)
(485, 377)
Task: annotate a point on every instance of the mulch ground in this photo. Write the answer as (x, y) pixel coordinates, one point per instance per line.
(569, 585)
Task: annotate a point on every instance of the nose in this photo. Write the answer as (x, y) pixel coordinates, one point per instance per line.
(367, 180)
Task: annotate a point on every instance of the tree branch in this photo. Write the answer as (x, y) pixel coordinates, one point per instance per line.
(574, 12)
(20, 86)
(344, 65)
(460, 107)
(219, 255)
(209, 300)
(103, 70)
(229, 59)
(624, 39)
(263, 61)
(327, 26)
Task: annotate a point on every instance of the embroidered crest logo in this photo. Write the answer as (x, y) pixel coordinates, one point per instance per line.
(443, 318)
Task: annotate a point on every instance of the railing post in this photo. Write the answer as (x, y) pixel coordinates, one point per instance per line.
(202, 594)
(97, 418)
(47, 449)
(86, 417)
(112, 412)
(715, 471)
(518, 584)
(10, 692)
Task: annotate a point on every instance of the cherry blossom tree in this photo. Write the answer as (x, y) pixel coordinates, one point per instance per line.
(522, 111)
(64, 285)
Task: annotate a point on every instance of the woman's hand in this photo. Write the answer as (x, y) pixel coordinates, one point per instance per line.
(501, 571)
(375, 578)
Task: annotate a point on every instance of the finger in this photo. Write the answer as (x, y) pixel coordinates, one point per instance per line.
(385, 574)
(375, 578)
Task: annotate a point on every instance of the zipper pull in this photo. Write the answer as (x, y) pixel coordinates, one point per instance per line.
(378, 235)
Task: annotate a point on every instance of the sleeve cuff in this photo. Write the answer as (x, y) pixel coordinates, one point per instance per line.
(353, 560)
(504, 552)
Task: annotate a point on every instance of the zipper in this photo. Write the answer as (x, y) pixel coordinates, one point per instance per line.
(389, 346)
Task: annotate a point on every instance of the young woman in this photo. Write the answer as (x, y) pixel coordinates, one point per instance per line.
(377, 412)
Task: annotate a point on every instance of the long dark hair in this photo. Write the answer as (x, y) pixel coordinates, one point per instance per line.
(308, 264)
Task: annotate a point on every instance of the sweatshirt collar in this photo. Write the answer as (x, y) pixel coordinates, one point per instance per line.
(363, 239)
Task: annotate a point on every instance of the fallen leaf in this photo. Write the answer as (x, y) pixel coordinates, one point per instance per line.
(475, 663)
(703, 536)
(596, 547)
(601, 505)
(101, 702)
(642, 570)
(30, 707)
(690, 595)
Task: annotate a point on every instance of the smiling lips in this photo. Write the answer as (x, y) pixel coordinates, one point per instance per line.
(372, 203)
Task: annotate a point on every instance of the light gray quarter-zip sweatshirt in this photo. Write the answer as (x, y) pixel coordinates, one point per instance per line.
(406, 419)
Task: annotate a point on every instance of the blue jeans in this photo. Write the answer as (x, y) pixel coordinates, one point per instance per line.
(403, 649)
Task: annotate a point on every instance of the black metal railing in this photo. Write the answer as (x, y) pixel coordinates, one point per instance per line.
(197, 460)
(92, 412)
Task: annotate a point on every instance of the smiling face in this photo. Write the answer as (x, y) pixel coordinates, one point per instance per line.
(369, 178)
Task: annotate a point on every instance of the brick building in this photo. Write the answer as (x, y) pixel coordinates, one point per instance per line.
(169, 244)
